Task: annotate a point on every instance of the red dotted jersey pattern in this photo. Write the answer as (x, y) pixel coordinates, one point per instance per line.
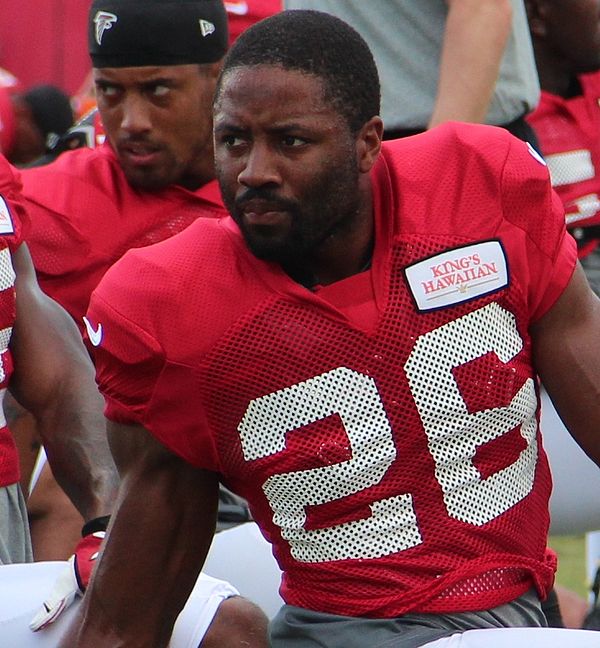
(85, 216)
(12, 218)
(568, 131)
(391, 454)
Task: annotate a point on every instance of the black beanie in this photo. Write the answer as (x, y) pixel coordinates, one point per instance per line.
(132, 33)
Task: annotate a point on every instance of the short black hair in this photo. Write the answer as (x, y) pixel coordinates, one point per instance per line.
(315, 43)
(50, 108)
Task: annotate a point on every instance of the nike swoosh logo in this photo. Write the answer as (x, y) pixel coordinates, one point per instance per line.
(95, 334)
(237, 8)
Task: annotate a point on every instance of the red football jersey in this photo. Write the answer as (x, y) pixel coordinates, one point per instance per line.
(242, 14)
(85, 216)
(384, 429)
(11, 216)
(568, 131)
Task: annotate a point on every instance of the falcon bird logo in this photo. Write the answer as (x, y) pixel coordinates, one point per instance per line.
(103, 21)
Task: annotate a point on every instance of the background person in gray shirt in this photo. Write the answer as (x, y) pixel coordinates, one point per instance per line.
(440, 60)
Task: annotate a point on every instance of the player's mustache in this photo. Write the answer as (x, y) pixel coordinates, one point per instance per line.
(130, 140)
(266, 195)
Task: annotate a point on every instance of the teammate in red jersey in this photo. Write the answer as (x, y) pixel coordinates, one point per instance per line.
(566, 40)
(155, 70)
(43, 362)
(356, 352)
(154, 175)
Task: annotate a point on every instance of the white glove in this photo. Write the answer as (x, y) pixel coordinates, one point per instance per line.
(71, 583)
(62, 595)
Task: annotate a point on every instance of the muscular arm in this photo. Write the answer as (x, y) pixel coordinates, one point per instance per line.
(567, 358)
(474, 40)
(54, 379)
(159, 536)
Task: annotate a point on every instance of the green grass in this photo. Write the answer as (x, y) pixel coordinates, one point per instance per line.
(571, 562)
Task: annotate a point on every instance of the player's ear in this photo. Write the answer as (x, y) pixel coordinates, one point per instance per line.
(368, 144)
(536, 13)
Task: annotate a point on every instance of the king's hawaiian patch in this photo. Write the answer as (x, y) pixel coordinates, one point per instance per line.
(6, 224)
(458, 275)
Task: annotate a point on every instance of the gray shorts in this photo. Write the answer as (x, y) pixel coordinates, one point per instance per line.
(295, 627)
(15, 541)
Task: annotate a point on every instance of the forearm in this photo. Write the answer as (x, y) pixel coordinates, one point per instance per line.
(74, 437)
(54, 522)
(85, 468)
(474, 40)
(54, 379)
(159, 535)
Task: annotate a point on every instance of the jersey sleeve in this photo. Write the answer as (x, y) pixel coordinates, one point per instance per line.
(14, 220)
(141, 384)
(533, 207)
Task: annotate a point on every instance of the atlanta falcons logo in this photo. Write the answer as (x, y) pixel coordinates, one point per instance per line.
(103, 21)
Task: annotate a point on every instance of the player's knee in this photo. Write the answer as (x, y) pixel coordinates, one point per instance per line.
(238, 622)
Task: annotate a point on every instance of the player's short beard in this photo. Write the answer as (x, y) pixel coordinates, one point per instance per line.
(328, 207)
(151, 179)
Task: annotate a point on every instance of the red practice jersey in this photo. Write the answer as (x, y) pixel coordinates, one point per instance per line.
(85, 216)
(384, 428)
(242, 14)
(568, 131)
(11, 218)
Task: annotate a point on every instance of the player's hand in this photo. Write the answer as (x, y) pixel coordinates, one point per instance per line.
(72, 582)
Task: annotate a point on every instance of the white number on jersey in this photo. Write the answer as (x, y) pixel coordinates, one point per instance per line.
(393, 525)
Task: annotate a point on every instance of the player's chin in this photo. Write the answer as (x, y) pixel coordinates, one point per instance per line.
(147, 178)
(267, 246)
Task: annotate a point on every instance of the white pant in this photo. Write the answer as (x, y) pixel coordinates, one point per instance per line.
(520, 638)
(23, 588)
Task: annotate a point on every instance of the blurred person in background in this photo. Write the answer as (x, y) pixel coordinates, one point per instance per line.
(446, 60)
(566, 40)
(31, 121)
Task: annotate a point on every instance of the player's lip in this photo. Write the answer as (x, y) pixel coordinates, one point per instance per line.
(260, 212)
(138, 153)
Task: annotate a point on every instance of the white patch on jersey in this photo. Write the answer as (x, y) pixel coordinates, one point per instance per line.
(94, 334)
(535, 154)
(7, 281)
(8, 80)
(570, 167)
(237, 8)
(103, 21)
(458, 275)
(206, 27)
(587, 206)
(6, 224)
(5, 335)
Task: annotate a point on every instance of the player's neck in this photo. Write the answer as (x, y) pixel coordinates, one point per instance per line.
(343, 255)
(200, 171)
(554, 78)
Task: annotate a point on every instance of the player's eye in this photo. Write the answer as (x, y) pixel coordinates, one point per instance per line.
(292, 141)
(107, 90)
(232, 141)
(160, 90)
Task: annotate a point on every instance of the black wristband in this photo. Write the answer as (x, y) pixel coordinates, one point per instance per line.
(97, 524)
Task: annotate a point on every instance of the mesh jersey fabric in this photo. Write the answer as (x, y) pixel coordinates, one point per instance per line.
(12, 220)
(85, 216)
(568, 132)
(393, 461)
